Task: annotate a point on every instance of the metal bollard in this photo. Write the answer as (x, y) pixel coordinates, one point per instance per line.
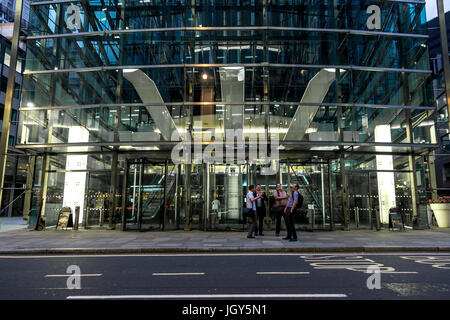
(357, 217)
(77, 218)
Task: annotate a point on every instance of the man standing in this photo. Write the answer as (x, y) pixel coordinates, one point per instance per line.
(295, 199)
(215, 211)
(260, 208)
(280, 203)
(250, 200)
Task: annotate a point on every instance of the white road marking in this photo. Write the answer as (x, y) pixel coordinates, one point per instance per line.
(208, 296)
(439, 262)
(400, 272)
(349, 262)
(179, 274)
(74, 275)
(281, 272)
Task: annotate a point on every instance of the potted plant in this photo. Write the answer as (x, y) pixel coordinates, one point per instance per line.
(441, 210)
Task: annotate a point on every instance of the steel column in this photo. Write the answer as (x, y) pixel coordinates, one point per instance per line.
(330, 198)
(43, 193)
(124, 195)
(29, 188)
(9, 94)
(113, 190)
(187, 199)
(163, 217)
(445, 57)
(139, 208)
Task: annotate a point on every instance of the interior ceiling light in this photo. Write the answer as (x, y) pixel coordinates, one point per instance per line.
(204, 76)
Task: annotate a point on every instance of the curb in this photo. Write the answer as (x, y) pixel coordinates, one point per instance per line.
(70, 251)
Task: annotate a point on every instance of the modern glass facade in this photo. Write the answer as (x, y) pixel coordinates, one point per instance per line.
(111, 87)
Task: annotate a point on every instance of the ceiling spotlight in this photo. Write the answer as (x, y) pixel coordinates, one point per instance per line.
(204, 76)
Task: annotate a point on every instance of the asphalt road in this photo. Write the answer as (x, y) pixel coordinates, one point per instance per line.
(227, 276)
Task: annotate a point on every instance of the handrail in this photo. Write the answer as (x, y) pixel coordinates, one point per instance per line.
(308, 188)
(9, 204)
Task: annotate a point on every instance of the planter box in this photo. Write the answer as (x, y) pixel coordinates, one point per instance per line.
(442, 214)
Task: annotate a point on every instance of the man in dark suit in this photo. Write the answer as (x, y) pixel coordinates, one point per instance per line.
(260, 209)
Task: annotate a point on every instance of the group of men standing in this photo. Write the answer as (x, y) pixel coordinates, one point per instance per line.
(284, 206)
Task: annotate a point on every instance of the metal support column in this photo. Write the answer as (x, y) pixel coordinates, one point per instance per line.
(29, 188)
(444, 47)
(13, 188)
(187, 198)
(113, 190)
(330, 196)
(207, 195)
(344, 178)
(288, 189)
(344, 192)
(9, 94)
(412, 172)
(124, 195)
(163, 217)
(322, 180)
(177, 197)
(266, 182)
(43, 193)
(139, 208)
(87, 205)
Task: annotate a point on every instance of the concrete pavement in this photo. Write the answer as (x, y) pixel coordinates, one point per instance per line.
(24, 241)
(12, 223)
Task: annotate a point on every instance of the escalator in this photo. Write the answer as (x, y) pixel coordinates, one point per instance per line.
(308, 190)
(153, 207)
(311, 196)
(145, 195)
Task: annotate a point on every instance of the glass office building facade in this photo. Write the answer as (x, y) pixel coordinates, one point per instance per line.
(341, 88)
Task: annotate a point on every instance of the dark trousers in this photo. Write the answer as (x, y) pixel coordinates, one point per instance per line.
(261, 212)
(290, 225)
(251, 222)
(279, 212)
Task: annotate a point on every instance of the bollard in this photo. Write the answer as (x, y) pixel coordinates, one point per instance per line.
(357, 217)
(77, 218)
(85, 217)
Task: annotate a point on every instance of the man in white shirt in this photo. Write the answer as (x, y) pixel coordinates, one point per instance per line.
(215, 205)
(250, 200)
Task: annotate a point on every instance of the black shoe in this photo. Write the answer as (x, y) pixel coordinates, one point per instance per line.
(250, 237)
(292, 239)
(261, 234)
(287, 238)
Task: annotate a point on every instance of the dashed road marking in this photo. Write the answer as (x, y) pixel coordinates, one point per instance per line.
(282, 272)
(178, 274)
(74, 275)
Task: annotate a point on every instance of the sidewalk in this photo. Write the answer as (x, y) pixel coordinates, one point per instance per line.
(12, 223)
(114, 241)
